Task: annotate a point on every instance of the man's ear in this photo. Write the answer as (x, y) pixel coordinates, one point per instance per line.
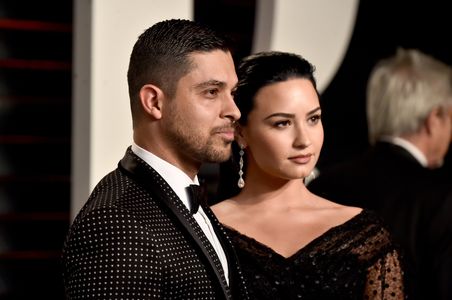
(151, 98)
(433, 120)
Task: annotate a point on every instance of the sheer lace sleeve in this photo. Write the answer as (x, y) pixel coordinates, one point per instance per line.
(385, 278)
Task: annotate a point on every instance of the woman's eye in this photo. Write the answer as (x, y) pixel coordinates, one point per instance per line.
(282, 123)
(314, 119)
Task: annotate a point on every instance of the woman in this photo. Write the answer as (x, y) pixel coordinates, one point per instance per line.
(291, 243)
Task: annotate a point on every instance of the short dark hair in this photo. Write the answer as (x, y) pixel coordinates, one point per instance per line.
(160, 55)
(264, 68)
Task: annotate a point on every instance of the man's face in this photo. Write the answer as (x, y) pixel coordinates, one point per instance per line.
(197, 121)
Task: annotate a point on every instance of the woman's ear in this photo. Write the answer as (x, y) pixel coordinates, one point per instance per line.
(239, 136)
(151, 98)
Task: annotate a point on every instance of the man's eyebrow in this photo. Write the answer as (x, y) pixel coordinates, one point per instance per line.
(209, 83)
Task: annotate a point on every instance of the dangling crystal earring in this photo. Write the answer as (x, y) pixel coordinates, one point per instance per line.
(241, 182)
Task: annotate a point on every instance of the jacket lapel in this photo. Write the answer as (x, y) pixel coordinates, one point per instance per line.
(144, 174)
(236, 279)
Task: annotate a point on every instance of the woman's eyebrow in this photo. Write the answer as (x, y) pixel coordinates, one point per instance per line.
(280, 114)
(314, 111)
(290, 116)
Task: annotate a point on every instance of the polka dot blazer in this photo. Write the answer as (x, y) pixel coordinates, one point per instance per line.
(134, 239)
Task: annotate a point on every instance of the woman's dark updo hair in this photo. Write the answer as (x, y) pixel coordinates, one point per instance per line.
(264, 68)
(255, 72)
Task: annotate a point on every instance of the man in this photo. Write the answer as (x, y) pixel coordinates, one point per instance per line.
(139, 236)
(409, 106)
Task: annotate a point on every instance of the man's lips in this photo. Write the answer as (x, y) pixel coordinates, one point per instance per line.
(226, 133)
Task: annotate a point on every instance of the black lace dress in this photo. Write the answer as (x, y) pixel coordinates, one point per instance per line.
(355, 260)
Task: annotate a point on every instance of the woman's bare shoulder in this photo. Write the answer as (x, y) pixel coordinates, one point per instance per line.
(338, 213)
(223, 207)
(228, 211)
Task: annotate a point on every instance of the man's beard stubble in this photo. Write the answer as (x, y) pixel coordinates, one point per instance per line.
(195, 146)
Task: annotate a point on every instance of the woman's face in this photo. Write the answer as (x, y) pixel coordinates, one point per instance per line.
(284, 133)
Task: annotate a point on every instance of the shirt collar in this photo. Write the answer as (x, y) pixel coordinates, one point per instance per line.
(174, 176)
(408, 146)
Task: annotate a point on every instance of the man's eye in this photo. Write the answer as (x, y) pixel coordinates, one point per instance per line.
(212, 92)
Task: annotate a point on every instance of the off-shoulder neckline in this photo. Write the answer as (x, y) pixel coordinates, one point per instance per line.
(305, 247)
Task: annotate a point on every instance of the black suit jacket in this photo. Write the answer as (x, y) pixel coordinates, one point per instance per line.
(414, 201)
(135, 239)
